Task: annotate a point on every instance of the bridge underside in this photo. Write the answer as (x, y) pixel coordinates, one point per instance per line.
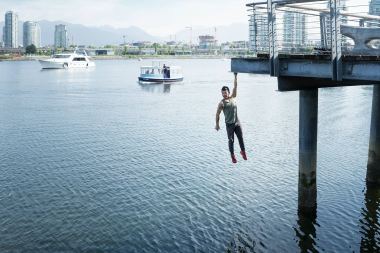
(307, 73)
(300, 72)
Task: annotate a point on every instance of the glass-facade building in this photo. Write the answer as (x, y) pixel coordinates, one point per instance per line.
(258, 32)
(327, 43)
(374, 9)
(207, 42)
(31, 34)
(10, 30)
(60, 36)
(294, 32)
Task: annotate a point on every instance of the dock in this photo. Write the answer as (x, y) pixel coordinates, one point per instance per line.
(332, 62)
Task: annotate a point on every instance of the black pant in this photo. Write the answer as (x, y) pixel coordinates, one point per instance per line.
(231, 129)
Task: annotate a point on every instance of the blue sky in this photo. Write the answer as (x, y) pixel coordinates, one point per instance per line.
(157, 17)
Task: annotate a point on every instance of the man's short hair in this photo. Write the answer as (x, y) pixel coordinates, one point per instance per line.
(225, 88)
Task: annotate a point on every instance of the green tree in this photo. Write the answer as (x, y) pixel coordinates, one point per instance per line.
(31, 49)
(156, 46)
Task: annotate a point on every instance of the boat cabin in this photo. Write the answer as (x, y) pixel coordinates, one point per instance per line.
(160, 72)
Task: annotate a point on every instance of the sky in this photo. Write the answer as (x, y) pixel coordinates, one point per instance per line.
(157, 17)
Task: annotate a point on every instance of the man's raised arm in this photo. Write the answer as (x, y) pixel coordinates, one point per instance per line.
(234, 91)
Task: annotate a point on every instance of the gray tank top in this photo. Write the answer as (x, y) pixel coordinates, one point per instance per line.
(230, 110)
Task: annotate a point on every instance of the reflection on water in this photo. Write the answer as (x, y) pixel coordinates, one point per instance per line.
(156, 87)
(369, 223)
(242, 243)
(306, 231)
(71, 75)
(71, 70)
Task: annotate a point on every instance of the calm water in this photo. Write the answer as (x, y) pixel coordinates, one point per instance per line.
(92, 161)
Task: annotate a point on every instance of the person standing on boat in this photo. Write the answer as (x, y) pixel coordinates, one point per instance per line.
(229, 108)
(165, 71)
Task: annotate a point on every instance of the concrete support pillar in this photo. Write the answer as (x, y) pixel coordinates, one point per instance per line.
(373, 166)
(308, 126)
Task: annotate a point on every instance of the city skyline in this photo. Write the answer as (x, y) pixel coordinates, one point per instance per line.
(159, 18)
(172, 33)
(85, 35)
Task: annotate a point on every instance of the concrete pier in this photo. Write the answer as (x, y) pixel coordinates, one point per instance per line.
(308, 126)
(373, 166)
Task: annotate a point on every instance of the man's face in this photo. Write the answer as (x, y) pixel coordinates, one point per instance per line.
(225, 94)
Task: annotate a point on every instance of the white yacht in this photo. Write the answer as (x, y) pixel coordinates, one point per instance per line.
(67, 60)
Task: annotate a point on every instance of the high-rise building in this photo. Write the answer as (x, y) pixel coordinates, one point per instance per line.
(3, 38)
(374, 9)
(327, 38)
(60, 36)
(207, 42)
(294, 33)
(258, 32)
(10, 30)
(31, 34)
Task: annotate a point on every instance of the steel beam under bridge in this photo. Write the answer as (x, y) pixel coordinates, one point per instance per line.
(312, 71)
(282, 2)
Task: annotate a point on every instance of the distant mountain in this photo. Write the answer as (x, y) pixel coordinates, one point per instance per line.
(97, 36)
(233, 32)
(85, 35)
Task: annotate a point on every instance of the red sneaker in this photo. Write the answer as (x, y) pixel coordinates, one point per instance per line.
(244, 155)
(233, 158)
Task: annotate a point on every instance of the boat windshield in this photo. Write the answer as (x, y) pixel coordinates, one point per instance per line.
(79, 59)
(150, 70)
(61, 56)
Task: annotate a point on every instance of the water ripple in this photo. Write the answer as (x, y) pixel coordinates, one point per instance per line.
(94, 162)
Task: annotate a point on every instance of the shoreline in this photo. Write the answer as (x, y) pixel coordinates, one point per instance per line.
(114, 57)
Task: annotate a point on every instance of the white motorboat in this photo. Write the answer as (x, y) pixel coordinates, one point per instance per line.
(160, 73)
(67, 60)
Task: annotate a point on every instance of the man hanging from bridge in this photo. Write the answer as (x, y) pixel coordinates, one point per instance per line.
(229, 108)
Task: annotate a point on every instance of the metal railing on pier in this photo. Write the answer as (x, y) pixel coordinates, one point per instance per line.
(333, 28)
(309, 27)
